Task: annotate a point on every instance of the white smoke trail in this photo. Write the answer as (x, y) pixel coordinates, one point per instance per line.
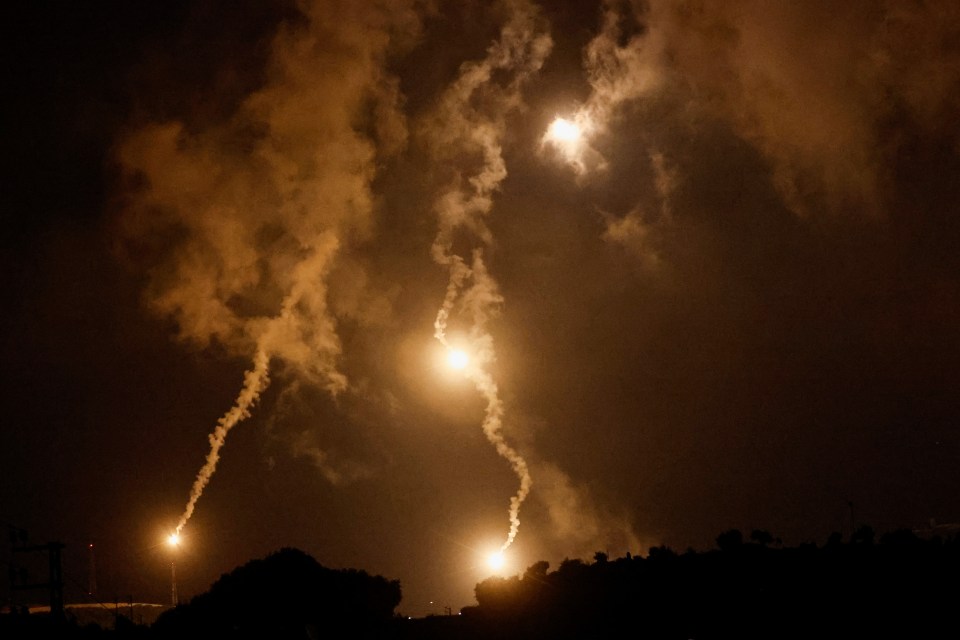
(471, 119)
(254, 382)
(482, 298)
(288, 336)
(458, 273)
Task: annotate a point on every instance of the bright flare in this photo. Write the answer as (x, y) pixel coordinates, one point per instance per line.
(173, 539)
(569, 139)
(457, 359)
(564, 131)
(496, 561)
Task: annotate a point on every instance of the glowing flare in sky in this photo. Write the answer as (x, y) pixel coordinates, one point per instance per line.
(472, 127)
(569, 137)
(173, 539)
(457, 359)
(564, 131)
(496, 561)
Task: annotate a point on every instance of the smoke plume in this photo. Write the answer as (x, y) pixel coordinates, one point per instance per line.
(813, 87)
(244, 219)
(470, 122)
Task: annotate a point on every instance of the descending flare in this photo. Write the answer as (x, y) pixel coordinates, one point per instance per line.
(496, 561)
(468, 127)
(568, 137)
(481, 297)
(173, 539)
(563, 130)
(256, 202)
(457, 359)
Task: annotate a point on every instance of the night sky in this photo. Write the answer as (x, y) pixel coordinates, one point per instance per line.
(733, 302)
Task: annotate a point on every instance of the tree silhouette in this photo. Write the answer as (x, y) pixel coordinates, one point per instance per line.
(730, 540)
(894, 588)
(855, 589)
(536, 571)
(288, 594)
(761, 537)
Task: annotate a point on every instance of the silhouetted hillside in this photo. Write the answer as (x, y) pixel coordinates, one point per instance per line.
(901, 587)
(288, 594)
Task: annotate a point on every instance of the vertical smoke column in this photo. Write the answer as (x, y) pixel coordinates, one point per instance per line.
(470, 121)
(482, 299)
(246, 216)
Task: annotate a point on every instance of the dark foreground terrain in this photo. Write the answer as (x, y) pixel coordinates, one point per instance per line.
(899, 585)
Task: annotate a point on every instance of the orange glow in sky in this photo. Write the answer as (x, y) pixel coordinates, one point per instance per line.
(496, 561)
(569, 138)
(457, 359)
(564, 131)
(173, 539)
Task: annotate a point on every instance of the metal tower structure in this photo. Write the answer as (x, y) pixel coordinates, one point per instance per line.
(173, 583)
(92, 578)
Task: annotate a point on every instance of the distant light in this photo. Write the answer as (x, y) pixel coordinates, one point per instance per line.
(569, 138)
(457, 359)
(563, 130)
(173, 539)
(496, 561)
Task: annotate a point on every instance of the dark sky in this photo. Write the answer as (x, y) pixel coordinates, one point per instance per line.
(733, 303)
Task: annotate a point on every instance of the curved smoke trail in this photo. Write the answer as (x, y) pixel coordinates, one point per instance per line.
(254, 382)
(480, 299)
(471, 119)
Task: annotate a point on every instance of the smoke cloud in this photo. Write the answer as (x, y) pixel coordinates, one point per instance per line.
(244, 220)
(813, 87)
(577, 521)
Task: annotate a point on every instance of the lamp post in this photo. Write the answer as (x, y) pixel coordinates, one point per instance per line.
(173, 540)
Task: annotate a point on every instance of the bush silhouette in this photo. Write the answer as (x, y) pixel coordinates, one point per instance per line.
(288, 594)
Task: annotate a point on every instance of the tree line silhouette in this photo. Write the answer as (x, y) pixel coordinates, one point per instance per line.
(900, 586)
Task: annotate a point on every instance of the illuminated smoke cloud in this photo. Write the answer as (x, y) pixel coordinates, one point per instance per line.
(637, 231)
(578, 523)
(619, 69)
(470, 122)
(619, 63)
(812, 86)
(247, 217)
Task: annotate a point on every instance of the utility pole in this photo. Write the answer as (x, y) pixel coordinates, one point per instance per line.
(92, 578)
(173, 583)
(54, 581)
